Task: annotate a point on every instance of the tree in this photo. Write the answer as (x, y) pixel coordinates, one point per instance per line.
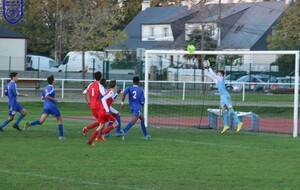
(286, 37)
(91, 25)
(287, 32)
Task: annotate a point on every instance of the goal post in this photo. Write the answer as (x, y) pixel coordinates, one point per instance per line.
(149, 53)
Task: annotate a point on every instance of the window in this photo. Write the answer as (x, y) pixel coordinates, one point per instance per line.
(166, 31)
(151, 31)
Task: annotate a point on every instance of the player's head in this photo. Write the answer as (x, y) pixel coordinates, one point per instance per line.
(13, 75)
(112, 83)
(103, 82)
(97, 75)
(50, 79)
(136, 80)
(220, 73)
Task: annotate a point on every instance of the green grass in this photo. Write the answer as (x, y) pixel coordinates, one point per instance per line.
(174, 158)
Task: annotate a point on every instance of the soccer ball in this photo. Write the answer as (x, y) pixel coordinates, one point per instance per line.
(190, 48)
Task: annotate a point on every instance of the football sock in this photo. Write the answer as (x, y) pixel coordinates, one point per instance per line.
(36, 122)
(94, 135)
(235, 117)
(4, 123)
(19, 119)
(93, 125)
(109, 124)
(144, 128)
(128, 126)
(61, 130)
(225, 118)
(108, 129)
(119, 126)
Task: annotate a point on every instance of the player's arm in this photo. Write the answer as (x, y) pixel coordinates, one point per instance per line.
(106, 97)
(47, 95)
(84, 93)
(142, 97)
(125, 92)
(210, 73)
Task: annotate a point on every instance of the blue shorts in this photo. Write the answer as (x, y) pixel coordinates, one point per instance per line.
(136, 112)
(13, 109)
(225, 101)
(55, 112)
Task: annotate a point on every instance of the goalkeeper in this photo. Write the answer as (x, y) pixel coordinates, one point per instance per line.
(225, 101)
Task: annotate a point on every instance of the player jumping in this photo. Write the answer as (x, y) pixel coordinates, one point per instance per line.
(225, 100)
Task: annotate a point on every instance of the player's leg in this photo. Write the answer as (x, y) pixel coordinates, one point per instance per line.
(95, 133)
(223, 101)
(60, 127)
(38, 122)
(236, 119)
(116, 114)
(134, 118)
(144, 129)
(112, 126)
(11, 115)
(95, 113)
(23, 112)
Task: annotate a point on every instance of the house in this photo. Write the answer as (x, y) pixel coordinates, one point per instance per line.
(13, 47)
(244, 26)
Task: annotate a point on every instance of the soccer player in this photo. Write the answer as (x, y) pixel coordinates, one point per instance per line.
(225, 100)
(11, 91)
(136, 102)
(95, 89)
(104, 113)
(50, 107)
(113, 111)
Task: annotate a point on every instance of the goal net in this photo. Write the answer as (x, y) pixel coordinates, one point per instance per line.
(263, 85)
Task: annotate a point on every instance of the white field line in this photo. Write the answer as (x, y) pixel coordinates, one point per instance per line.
(70, 180)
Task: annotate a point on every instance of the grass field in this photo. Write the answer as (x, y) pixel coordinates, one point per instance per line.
(174, 158)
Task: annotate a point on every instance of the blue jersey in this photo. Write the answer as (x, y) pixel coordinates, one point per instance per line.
(136, 97)
(12, 93)
(49, 91)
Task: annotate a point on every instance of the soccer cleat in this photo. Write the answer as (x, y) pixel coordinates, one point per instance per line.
(123, 134)
(16, 126)
(85, 131)
(240, 125)
(26, 126)
(118, 134)
(91, 143)
(100, 138)
(147, 137)
(225, 129)
(106, 134)
(61, 138)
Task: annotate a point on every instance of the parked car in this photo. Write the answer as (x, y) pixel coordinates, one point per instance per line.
(229, 79)
(41, 63)
(252, 82)
(280, 84)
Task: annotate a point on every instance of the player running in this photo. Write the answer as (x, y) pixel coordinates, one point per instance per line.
(11, 91)
(225, 100)
(104, 113)
(50, 107)
(136, 102)
(95, 89)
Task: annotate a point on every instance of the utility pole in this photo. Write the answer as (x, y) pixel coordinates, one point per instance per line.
(219, 30)
(58, 20)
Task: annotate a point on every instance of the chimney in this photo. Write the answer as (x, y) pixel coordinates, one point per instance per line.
(146, 4)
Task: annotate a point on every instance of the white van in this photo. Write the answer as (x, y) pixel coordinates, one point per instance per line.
(94, 61)
(41, 63)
